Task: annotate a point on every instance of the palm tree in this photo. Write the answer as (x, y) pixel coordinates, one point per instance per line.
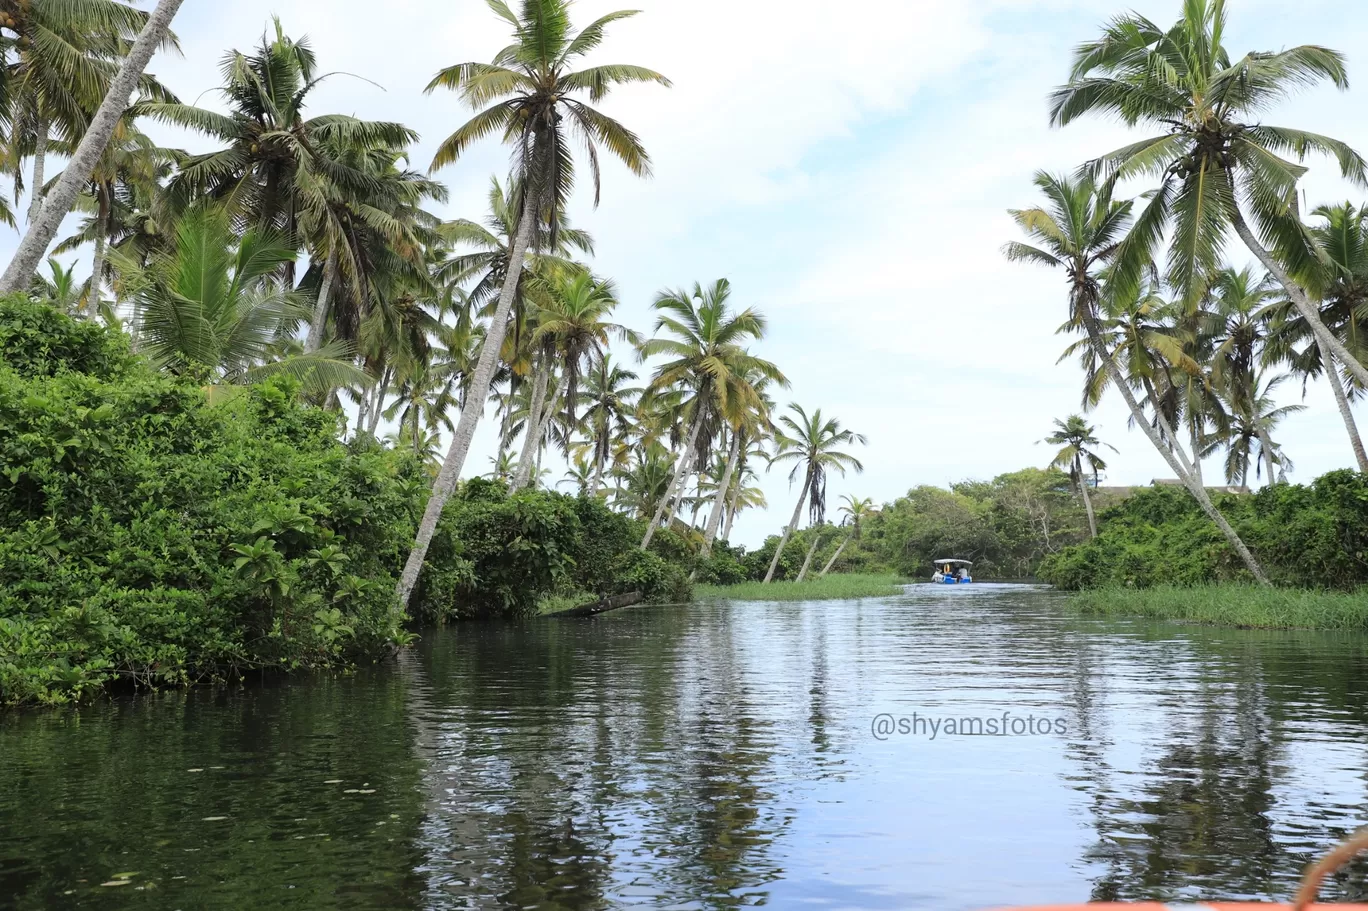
(61, 291)
(1079, 233)
(574, 328)
(538, 110)
(210, 307)
(92, 145)
(64, 56)
(744, 495)
(706, 358)
(272, 150)
(855, 511)
(748, 420)
(611, 406)
(1253, 422)
(810, 444)
(1342, 286)
(1214, 157)
(1078, 456)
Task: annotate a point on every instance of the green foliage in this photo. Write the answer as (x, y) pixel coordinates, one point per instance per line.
(1311, 536)
(145, 534)
(1007, 526)
(1233, 604)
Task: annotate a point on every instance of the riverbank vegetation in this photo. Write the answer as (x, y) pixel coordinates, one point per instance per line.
(1238, 605)
(827, 588)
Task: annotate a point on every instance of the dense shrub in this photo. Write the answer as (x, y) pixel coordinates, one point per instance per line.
(1313, 536)
(147, 534)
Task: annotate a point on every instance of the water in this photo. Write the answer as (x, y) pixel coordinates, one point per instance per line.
(714, 756)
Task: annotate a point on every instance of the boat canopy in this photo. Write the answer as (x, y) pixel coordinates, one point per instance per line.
(965, 562)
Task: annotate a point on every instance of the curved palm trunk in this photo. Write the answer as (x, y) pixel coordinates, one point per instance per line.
(678, 477)
(1195, 437)
(788, 529)
(812, 549)
(1172, 454)
(548, 413)
(597, 479)
(470, 417)
(1346, 412)
(320, 314)
(531, 426)
(720, 498)
(678, 496)
(1299, 299)
(40, 143)
(381, 390)
(1087, 499)
(77, 174)
(836, 556)
(96, 271)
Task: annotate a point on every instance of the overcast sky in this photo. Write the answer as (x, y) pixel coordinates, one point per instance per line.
(848, 167)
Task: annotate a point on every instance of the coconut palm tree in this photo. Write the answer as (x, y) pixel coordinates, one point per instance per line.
(536, 101)
(1078, 456)
(609, 412)
(705, 356)
(574, 328)
(745, 495)
(855, 512)
(749, 419)
(271, 149)
(1249, 438)
(211, 307)
(88, 151)
(1079, 232)
(1215, 158)
(811, 444)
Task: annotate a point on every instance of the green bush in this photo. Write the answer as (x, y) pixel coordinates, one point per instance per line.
(1312, 536)
(659, 581)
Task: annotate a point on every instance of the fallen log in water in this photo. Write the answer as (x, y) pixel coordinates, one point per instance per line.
(598, 607)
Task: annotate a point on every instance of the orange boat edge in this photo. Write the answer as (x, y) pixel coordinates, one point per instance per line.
(1182, 906)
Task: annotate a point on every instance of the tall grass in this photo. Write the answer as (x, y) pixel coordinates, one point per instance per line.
(827, 588)
(1247, 606)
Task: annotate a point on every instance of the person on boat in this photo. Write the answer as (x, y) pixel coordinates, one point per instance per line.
(962, 574)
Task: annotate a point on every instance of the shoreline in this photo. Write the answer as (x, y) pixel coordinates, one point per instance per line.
(1232, 605)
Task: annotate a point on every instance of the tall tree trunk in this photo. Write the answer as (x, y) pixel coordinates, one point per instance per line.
(96, 273)
(720, 498)
(734, 500)
(836, 556)
(1266, 445)
(812, 549)
(1345, 410)
(789, 528)
(40, 144)
(77, 173)
(1172, 454)
(597, 479)
(1087, 500)
(381, 390)
(532, 425)
(1196, 454)
(470, 417)
(320, 314)
(678, 495)
(678, 474)
(1299, 299)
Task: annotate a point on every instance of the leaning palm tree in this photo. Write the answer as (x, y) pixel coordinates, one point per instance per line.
(1215, 158)
(749, 419)
(1079, 233)
(1078, 456)
(855, 512)
(539, 108)
(811, 444)
(88, 151)
(706, 357)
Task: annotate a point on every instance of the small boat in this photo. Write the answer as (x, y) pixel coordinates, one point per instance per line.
(952, 572)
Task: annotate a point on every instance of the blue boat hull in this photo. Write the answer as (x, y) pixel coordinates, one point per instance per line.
(951, 580)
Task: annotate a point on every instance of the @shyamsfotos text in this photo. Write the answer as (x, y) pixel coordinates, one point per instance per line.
(886, 726)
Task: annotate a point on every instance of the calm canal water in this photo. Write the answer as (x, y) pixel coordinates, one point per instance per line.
(715, 756)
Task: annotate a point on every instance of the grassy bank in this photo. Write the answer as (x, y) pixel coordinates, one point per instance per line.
(828, 588)
(1235, 605)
